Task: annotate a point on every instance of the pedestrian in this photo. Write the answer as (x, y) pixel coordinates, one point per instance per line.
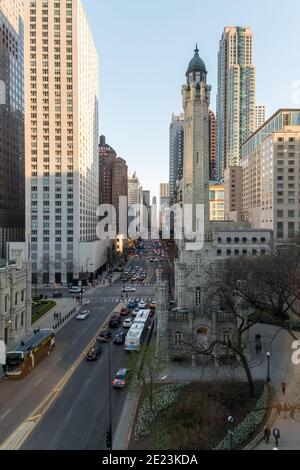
(283, 388)
(256, 338)
(267, 434)
(257, 348)
(276, 434)
(292, 412)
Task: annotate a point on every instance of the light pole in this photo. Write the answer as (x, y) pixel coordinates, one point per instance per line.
(109, 443)
(230, 431)
(268, 362)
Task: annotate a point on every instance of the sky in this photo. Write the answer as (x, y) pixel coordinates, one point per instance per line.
(144, 48)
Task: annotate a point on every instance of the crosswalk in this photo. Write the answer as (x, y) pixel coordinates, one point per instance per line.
(112, 300)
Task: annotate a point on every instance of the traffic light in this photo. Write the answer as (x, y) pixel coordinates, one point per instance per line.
(108, 439)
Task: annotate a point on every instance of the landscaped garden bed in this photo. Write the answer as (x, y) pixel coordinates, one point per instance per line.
(40, 308)
(193, 416)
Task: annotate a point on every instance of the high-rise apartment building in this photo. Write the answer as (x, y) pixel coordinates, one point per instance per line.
(236, 98)
(260, 115)
(216, 201)
(176, 150)
(62, 166)
(271, 175)
(12, 162)
(212, 145)
(113, 178)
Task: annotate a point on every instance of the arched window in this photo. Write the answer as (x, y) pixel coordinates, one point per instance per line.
(16, 323)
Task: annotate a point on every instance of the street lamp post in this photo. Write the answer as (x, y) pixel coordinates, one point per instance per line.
(109, 438)
(268, 361)
(230, 431)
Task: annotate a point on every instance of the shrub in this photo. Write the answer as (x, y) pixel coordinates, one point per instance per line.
(250, 424)
(163, 397)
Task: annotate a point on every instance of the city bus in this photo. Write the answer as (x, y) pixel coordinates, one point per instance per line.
(138, 331)
(30, 352)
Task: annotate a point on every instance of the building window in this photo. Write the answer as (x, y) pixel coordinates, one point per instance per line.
(198, 296)
(219, 252)
(177, 339)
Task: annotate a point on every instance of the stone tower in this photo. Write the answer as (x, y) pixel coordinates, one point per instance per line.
(162, 316)
(196, 100)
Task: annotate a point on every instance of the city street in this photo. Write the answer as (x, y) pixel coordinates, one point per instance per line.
(78, 417)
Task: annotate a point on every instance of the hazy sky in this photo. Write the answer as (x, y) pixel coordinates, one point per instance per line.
(144, 48)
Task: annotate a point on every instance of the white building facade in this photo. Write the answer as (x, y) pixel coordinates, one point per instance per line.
(62, 172)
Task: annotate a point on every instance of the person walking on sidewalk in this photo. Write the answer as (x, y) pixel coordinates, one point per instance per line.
(292, 412)
(283, 388)
(267, 434)
(276, 434)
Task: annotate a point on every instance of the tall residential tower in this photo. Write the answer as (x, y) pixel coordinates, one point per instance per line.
(236, 98)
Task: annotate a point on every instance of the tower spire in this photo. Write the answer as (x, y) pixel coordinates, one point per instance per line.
(196, 50)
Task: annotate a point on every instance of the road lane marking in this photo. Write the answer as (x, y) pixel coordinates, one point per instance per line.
(86, 384)
(73, 342)
(38, 382)
(69, 414)
(5, 414)
(20, 435)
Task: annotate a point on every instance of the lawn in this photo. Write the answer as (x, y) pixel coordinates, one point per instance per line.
(40, 308)
(192, 416)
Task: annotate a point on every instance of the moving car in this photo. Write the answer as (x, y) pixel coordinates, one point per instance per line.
(104, 336)
(152, 305)
(120, 337)
(124, 311)
(76, 290)
(120, 379)
(132, 303)
(135, 311)
(114, 321)
(57, 295)
(142, 304)
(83, 315)
(128, 322)
(129, 289)
(94, 353)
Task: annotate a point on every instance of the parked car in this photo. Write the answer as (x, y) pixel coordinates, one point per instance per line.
(57, 295)
(94, 353)
(129, 289)
(135, 311)
(115, 321)
(119, 337)
(104, 336)
(142, 304)
(124, 311)
(128, 322)
(120, 379)
(132, 303)
(83, 315)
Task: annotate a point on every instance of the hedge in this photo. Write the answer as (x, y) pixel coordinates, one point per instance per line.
(244, 431)
(41, 308)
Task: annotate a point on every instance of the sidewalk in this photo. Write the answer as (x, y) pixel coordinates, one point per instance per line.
(289, 430)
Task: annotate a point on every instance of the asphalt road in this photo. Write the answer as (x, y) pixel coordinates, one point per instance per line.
(78, 417)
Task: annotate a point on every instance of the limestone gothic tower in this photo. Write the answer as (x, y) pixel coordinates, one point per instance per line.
(196, 100)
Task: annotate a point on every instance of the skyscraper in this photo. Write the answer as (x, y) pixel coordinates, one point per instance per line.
(212, 145)
(260, 116)
(12, 164)
(236, 99)
(176, 149)
(113, 177)
(62, 166)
